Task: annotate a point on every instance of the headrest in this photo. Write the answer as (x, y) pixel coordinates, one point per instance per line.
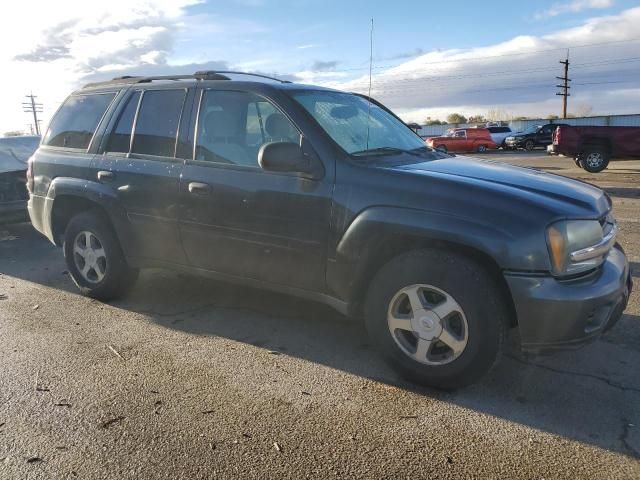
(277, 126)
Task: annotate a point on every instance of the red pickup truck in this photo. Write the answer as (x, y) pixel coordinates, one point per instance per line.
(593, 147)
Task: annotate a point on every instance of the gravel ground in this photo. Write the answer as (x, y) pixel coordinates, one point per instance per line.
(188, 378)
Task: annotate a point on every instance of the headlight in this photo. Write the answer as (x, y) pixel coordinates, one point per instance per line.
(576, 246)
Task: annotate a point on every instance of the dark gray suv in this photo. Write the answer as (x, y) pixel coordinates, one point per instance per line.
(328, 196)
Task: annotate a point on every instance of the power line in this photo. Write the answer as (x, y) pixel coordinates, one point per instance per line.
(586, 45)
(513, 87)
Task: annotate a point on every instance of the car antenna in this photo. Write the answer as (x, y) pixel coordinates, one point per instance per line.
(370, 75)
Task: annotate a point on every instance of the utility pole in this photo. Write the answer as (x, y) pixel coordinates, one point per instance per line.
(32, 107)
(565, 85)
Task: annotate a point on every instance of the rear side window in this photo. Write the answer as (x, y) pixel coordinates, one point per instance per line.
(76, 121)
(156, 129)
(120, 138)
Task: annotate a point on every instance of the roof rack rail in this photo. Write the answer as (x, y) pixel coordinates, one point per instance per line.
(133, 79)
(200, 75)
(232, 72)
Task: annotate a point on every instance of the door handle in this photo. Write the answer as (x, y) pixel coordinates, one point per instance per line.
(198, 188)
(105, 175)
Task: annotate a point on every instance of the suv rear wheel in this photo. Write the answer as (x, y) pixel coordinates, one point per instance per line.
(529, 145)
(594, 160)
(94, 257)
(437, 317)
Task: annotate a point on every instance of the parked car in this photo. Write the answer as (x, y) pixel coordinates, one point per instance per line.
(463, 140)
(499, 133)
(14, 152)
(536, 136)
(594, 147)
(329, 196)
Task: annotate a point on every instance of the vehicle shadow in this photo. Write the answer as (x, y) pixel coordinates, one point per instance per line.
(590, 395)
(623, 192)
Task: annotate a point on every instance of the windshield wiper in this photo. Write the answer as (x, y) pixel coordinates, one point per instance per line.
(390, 151)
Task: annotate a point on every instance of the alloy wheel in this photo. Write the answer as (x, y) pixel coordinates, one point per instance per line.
(89, 257)
(427, 324)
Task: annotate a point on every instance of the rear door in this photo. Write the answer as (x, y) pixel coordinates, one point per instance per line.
(139, 163)
(241, 220)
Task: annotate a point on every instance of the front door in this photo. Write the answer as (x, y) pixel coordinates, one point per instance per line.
(241, 220)
(139, 163)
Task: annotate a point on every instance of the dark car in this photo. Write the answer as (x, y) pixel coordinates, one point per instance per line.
(14, 153)
(535, 136)
(593, 147)
(328, 196)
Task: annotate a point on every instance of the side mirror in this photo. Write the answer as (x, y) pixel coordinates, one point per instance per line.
(285, 157)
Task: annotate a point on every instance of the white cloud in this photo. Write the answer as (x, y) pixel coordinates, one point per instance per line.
(574, 6)
(517, 75)
(68, 39)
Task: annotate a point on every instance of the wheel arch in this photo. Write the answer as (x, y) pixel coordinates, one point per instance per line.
(365, 252)
(394, 247)
(69, 197)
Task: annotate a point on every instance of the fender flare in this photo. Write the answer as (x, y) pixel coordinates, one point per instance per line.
(365, 238)
(103, 196)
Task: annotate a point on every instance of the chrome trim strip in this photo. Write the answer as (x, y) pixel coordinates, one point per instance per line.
(598, 249)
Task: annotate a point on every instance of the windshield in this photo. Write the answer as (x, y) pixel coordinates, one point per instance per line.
(344, 117)
(532, 129)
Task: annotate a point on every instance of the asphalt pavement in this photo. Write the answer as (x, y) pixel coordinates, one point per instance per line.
(189, 378)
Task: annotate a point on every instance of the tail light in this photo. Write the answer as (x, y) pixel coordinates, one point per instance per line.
(30, 176)
(556, 136)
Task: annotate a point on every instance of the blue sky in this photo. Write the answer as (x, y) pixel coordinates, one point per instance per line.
(430, 58)
(339, 30)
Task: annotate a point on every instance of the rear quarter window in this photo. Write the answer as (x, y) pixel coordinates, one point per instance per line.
(76, 121)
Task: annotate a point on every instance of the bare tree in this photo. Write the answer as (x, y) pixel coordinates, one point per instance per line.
(583, 110)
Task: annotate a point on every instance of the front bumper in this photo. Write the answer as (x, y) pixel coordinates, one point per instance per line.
(555, 314)
(515, 143)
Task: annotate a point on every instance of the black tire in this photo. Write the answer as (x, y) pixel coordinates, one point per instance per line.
(529, 145)
(594, 160)
(471, 287)
(482, 148)
(118, 276)
(441, 148)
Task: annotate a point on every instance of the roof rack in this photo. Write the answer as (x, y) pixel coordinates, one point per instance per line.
(200, 75)
(231, 72)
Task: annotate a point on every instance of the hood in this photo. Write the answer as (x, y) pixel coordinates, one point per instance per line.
(15, 151)
(526, 183)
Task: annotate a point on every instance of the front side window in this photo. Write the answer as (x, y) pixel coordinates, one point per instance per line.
(356, 124)
(77, 120)
(232, 126)
(156, 128)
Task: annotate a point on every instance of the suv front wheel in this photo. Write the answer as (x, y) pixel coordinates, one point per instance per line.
(94, 257)
(437, 317)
